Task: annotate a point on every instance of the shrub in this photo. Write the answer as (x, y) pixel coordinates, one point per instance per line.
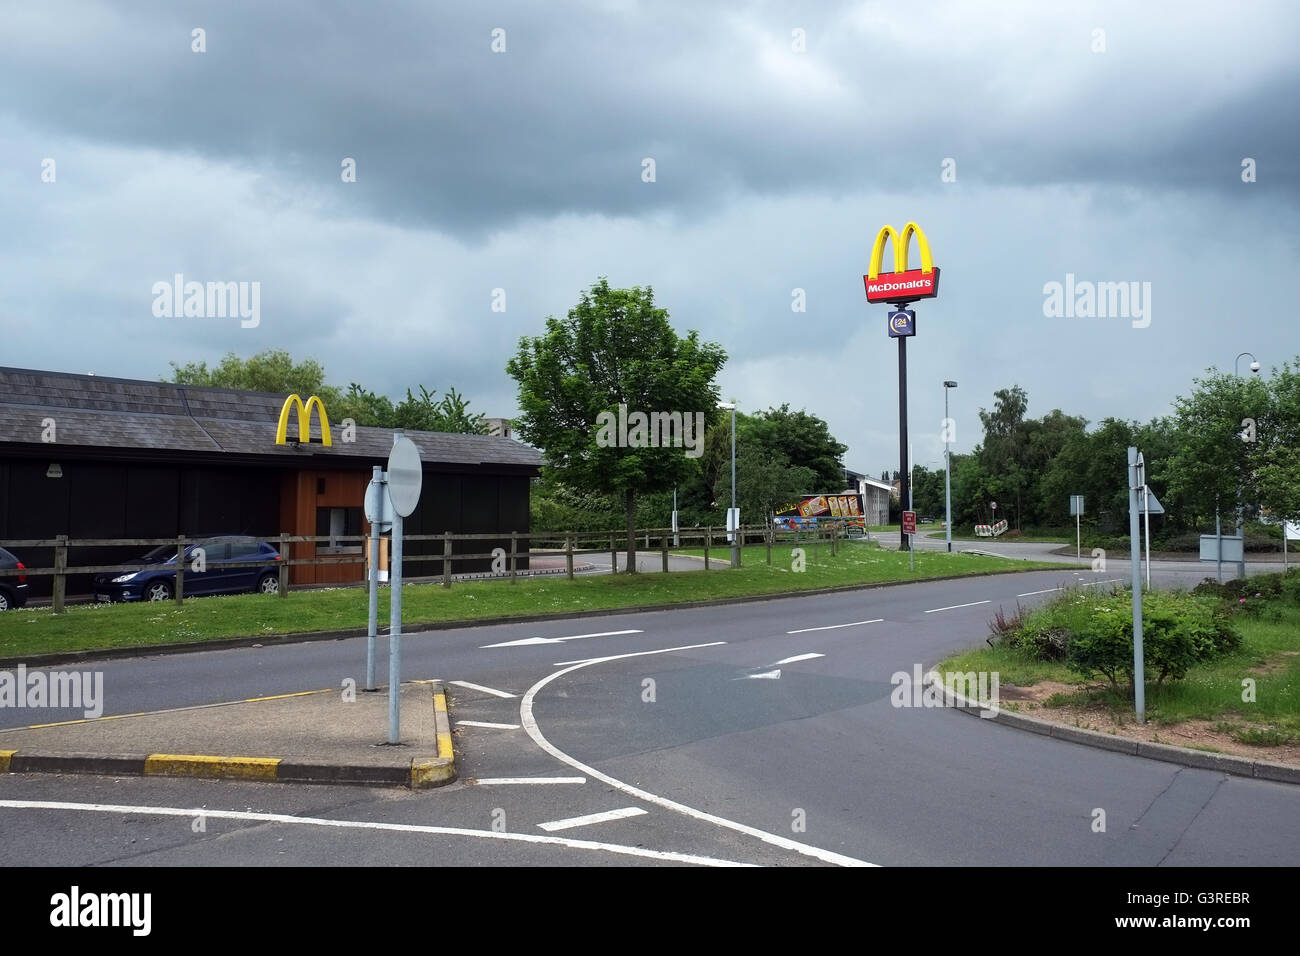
(1178, 631)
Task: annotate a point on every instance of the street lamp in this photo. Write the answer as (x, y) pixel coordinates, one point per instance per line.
(735, 541)
(947, 465)
(1241, 518)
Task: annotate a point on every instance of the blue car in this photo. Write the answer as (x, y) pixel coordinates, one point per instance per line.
(217, 578)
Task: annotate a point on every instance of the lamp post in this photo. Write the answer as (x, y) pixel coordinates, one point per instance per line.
(947, 465)
(735, 534)
(1241, 518)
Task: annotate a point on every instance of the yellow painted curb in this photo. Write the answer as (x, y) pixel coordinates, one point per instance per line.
(432, 772)
(226, 768)
(441, 720)
(4, 759)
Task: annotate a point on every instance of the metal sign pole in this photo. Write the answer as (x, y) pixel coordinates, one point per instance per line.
(1146, 517)
(395, 632)
(904, 478)
(1078, 540)
(1135, 562)
(372, 626)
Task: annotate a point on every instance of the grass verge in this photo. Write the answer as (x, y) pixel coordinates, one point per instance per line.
(1203, 708)
(101, 626)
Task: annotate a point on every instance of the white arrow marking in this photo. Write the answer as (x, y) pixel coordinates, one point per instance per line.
(530, 727)
(558, 640)
(489, 781)
(590, 818)
(770, 675)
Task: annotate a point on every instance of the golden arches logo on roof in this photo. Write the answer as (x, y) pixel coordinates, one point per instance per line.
(901, 285)
(304, 420)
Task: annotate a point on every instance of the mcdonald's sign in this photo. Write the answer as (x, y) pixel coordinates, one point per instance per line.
(903, 284)
(304, 421)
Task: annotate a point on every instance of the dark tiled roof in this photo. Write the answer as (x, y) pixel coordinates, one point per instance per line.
(113, 413)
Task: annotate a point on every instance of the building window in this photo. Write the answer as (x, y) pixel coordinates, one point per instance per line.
(339, 524)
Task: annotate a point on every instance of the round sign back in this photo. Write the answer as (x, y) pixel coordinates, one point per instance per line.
(405, 476)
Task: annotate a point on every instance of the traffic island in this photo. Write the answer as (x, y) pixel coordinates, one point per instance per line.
(322, 736)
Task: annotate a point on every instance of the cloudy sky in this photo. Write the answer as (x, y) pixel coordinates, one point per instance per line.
(1102, 140)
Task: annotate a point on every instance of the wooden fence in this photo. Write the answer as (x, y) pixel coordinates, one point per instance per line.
(527, 544)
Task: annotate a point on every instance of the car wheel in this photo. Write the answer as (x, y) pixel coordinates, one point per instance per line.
(158, 591)
(269, 584)
(4, 601)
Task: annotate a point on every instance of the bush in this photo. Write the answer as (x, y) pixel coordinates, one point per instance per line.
(1179, 630)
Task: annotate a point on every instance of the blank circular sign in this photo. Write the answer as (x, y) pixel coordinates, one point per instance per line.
(405, 476)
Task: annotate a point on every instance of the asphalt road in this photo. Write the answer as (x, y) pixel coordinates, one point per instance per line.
(678, 736)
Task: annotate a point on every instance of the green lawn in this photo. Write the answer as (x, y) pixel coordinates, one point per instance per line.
(1270, 655)
(94, 626)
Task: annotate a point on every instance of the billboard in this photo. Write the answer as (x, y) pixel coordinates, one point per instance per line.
(814, 511)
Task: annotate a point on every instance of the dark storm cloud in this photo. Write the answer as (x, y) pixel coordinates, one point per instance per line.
(449, 135)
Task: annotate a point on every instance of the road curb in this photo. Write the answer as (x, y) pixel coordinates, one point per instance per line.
(409, 628)
(422, 772)
(1183, 756)
(440, 770)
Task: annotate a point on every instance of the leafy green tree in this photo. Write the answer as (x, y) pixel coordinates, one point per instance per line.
(366, 408)
(270, 371)
(803, 439)
(616, 347)
(431, 414)
(1213, 467)
(1004, 452)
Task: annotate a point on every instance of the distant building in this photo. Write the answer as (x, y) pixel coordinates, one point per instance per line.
(500, 427)
(875, 495)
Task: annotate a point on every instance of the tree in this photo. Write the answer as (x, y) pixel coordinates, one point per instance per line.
(615, 348)
(765, 480)
(427, 413)
(275, 371)
(803, 439)
(270, 371)
(1004, 451)
(1213, 469)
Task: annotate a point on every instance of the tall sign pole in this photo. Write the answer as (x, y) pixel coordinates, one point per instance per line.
(1136, 479)
(898, 288)
(905, 479)
(405, 478)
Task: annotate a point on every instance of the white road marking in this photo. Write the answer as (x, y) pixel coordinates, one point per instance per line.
(590, 818)
(953, 607)
(484, 723)
(1107, 581)
(801, 657)
(533, 731)
(831, 627)
(490, 781)
(486, 690)
(770, 675)
(1044, 591)
(253, 816)
(596, 660)
(559, 640)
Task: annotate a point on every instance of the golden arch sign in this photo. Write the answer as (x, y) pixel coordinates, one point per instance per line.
(304, 420)
(901, 285)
